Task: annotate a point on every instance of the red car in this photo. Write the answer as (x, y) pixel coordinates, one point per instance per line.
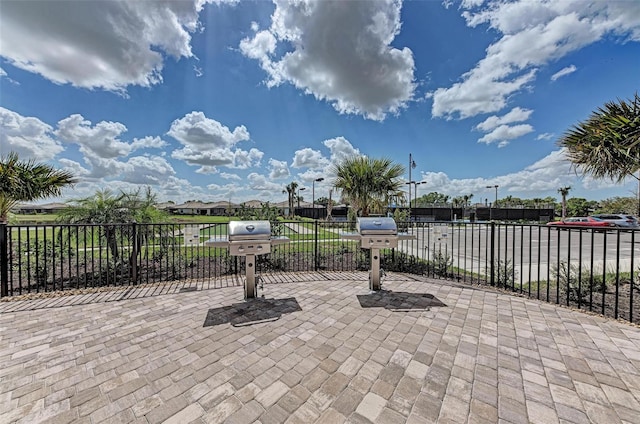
(581, 222)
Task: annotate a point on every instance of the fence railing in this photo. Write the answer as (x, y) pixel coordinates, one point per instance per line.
(584, 268)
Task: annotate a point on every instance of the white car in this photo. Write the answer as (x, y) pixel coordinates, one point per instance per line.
(619, 220)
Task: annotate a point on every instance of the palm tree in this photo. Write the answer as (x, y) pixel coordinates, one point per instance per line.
(607, 144)
(290, 189)
(26, 181)
(109, 209)
(368, 184)
(564, 191)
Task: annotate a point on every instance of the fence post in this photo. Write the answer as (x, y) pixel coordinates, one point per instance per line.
(315, 247)
(4, 261)
(492, 254)
(134, 253)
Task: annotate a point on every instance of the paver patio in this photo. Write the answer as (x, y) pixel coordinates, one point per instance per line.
(318, 348)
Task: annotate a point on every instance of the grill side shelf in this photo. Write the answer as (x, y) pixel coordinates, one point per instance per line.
(218, 242)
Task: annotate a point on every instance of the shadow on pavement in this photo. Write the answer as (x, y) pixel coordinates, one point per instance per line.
(250, 312)
(399, 301)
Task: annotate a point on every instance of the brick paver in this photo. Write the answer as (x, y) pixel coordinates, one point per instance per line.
(319, 348)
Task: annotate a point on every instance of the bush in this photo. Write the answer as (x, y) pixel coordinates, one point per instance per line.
(577, 289)
(440, 263)
(401, 216)
(402, 262)
(504, 273)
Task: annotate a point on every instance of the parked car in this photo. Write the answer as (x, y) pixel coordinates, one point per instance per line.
(581, 222)
(619, 220)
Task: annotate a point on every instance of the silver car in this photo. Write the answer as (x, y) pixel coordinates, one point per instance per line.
(620, 220)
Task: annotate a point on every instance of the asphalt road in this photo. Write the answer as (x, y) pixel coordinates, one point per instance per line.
(531, 249)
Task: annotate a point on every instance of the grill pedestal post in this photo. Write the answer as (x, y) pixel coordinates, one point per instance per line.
(250, 280)
(374, 278)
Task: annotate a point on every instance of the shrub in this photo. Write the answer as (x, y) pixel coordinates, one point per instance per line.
(577, 289)
(440, 263)
(504, 274)
(402, 262)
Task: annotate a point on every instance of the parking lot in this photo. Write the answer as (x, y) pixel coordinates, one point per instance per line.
(531, 249)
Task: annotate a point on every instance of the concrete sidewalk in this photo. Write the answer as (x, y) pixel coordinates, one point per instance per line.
(319, 348)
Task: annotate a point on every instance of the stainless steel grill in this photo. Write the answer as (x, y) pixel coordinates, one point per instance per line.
(248, 238)
(375, 234)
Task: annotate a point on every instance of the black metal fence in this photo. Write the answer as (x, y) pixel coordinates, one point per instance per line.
(588, 269)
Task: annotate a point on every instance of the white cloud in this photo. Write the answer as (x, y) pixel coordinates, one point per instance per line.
(228, 176)
(504, 133)
(151, 170)
(278, 169)
(244, 159)
(76, 169)
(107, 45)
(318, 165)
(103, 151)
(260, 182)
(260, 47)
(532, 34)
(148, 143)
(103, 139)
(547, 174)
(499, 131)
(179, 190)
(515, 115)
(210, 144)
(29, 137)
(309, 158)
(340, 149)
(545, 136)
(563, 72)
(339, 52)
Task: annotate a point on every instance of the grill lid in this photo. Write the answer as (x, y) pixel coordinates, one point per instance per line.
(377, 225)
(249, 230)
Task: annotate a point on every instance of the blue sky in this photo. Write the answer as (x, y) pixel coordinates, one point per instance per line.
(216, 100)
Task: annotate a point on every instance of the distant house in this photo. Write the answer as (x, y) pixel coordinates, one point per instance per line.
(47, 208)
(202, 208)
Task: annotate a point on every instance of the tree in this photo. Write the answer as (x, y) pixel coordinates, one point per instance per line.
(625, 205)
(564, 191)
(368, 184)
(26, 181)
(109, 209)
(324, 201)
(607, 144)
(457, 201)
(290, 189)
(433, 198)
(578, 206)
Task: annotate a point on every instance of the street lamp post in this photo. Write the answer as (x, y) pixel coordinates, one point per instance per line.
(494, 203)
(313, 195)
(412, 165)
(415, 191)
(299, 190)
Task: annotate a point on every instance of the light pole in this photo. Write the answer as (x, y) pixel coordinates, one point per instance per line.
(412, 165)
(313, 195)
(416, 184)
(415, 191)
(299, 190)
(494, 203)
(496, 187)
